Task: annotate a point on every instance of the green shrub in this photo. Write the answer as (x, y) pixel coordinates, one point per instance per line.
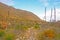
(21, 27)
(57, 37)
(37, 26)
(2, 33)
(9, 37)
(25, 28)
(18, 27)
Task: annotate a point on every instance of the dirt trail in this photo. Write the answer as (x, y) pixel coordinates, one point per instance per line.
(30, 34)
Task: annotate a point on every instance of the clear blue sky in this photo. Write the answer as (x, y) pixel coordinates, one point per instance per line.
(35, 6)
(29, 5)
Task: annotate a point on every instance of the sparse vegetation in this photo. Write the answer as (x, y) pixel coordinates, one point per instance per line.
(2, 33)
(9, 36)
(37, 26)
(25, 25)
(57, 37)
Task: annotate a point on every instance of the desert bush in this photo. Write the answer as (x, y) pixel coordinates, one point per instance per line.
(2, 32)
(49, 34)
(21, 27)
(46, 35)
(36, 26)
(57, 37)
(9, 36)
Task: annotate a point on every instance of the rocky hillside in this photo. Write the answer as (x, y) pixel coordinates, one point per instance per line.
(21, 14)
(17, 24)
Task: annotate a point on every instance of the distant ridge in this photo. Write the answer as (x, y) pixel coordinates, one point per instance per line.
(17, 12)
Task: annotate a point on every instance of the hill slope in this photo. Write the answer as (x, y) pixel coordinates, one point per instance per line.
(17, 24)
(4, 9)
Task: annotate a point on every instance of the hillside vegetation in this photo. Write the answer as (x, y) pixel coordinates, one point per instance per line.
(17, 24)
